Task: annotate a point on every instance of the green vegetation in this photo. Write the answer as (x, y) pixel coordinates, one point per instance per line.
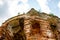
(51, 14)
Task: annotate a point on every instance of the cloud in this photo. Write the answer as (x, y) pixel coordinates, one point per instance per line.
(24, 1)
(44, 6)
(2, 20)
(14, 7)
(11, 8)
(1, 2)
(58, 4)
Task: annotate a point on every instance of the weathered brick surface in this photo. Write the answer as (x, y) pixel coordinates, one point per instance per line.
(33, 27)
(45, 30)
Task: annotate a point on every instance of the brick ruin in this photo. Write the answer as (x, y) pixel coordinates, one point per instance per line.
(27, 27)
(38, 29)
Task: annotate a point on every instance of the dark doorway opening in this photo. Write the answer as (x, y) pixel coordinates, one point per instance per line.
(35, 27)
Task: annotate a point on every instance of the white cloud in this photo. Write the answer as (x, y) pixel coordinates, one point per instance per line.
(14, 7)
(44, 6)
(2, 20)
(59, 5)
(1, 2)
(24, 1)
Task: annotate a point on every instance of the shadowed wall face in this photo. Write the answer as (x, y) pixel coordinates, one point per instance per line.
(2, 34)
(16, 28)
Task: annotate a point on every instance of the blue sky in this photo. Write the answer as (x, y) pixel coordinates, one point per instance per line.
(10, 8)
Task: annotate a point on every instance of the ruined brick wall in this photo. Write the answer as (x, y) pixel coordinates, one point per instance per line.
(45, 30)
(35, 26)
(4, 34)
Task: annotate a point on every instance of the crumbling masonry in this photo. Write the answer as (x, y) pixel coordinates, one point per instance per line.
(27, 27)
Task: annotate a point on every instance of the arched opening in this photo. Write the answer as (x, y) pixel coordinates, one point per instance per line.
(35, 27)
